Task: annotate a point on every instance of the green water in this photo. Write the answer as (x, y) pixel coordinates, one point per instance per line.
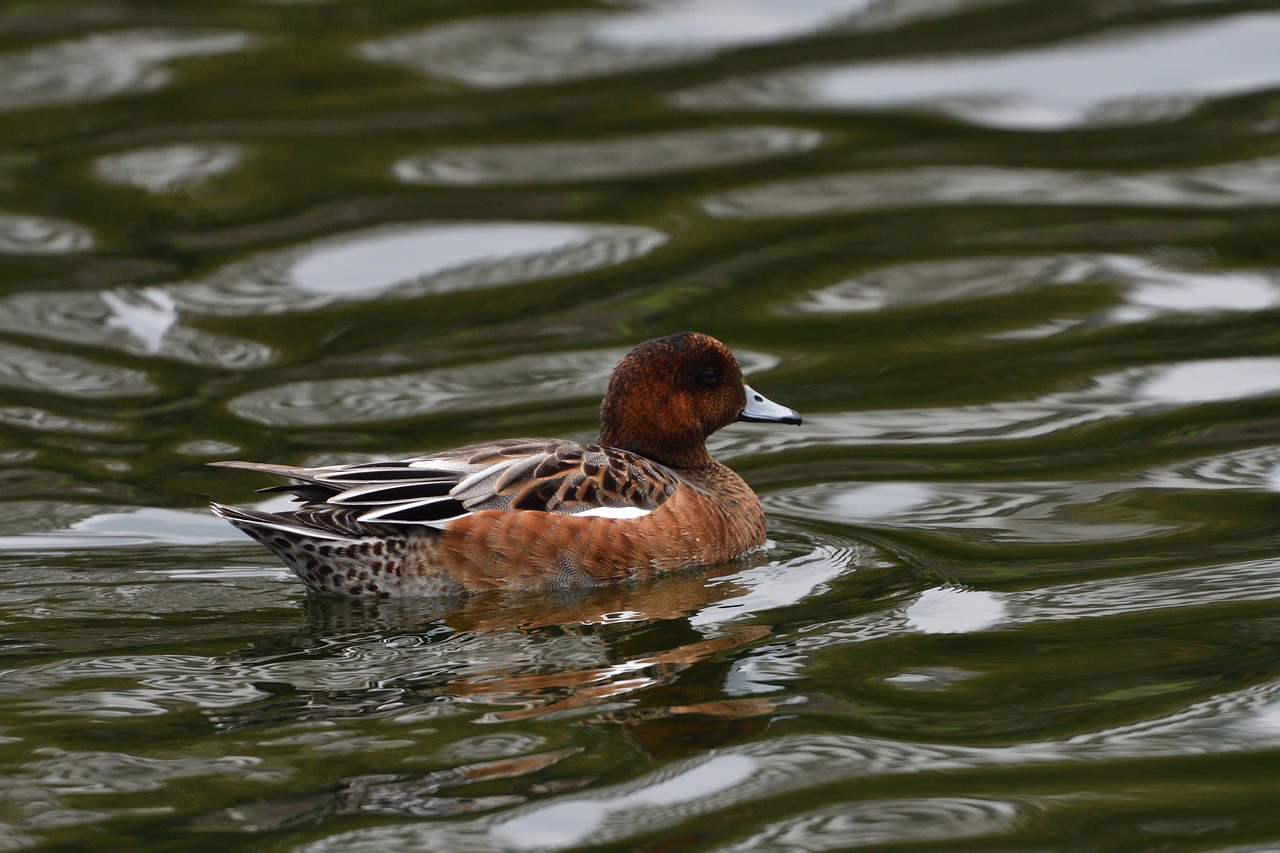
(1016, 263)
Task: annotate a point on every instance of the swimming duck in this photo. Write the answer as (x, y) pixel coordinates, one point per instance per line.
(528, 513)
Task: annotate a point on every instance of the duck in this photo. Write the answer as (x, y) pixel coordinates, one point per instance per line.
(529, 514)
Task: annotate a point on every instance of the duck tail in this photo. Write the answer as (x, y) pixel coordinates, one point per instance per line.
(328, 562)
(262, 525)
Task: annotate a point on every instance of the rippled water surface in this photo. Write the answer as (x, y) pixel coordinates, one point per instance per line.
(1017, 263)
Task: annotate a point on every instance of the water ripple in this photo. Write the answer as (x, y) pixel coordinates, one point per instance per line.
(383, 795)
(561, 46)
(780, 583)
(72, 593)
(1179, 589)
(1004, 513)
(104, 64)
(73, 526)
(69, 772)
(473, 387)
(496, 656)
(1150, 287)
(1017, 592)
(412, 260)
(635, 156)
(169, 167)
(37, 235)
(1139, 75)
(144, 321)
(35, 517)
(1212, 380)
(28, 417)
(1112, 396)
(731, 778)
(1223, 186)
(55, 373)
(949, 609)
(876, 822)
(1254, 469)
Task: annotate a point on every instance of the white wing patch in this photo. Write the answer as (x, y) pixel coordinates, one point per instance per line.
(615, 512)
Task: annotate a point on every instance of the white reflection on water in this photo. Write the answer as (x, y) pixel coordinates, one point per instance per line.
(949, 610)
(1214, 380)
(848, 825)
(569, 821)
(779, 584)
(400, 261)
(1178, 589)
(1257, 468)
(1201, 292)
(42, 420)
(1223, 186)
(99, 527)
(373, 672)
(104, 64)
(653, 154)
(1138, 75)
(144, 321)
(786, 765)
(639, 34)
(170, 167)
(766, 669)
(1268, 720)
(930, 678)
(879, 500)
(486, 660)
(930, 282)
(1150, 288)
(380, 262)
(470, 387)
(102, 772)
(149, 318)
(38, 235)
(1023, 512)
(1112, 396)
(720, 23)
(411, 260)
(68, 375)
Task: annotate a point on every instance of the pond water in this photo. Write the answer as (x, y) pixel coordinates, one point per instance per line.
(1016, 263)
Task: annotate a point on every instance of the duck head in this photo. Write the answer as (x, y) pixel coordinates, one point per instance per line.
(669, 394)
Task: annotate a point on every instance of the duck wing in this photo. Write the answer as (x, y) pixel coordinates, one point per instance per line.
(516, 475)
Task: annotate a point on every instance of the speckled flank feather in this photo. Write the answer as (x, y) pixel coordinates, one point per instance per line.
(536, 513)
(368, 565)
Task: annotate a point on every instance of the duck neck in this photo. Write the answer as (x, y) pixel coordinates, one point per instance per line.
(689, 454)
(715, 476)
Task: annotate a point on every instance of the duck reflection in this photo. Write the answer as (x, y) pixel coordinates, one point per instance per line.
(387, 794)
(626, 655)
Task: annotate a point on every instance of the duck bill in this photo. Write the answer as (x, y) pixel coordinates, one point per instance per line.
(760, 409)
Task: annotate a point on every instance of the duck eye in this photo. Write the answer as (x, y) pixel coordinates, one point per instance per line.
(710, 375)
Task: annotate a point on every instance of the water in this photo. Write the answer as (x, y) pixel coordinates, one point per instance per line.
(1015, 262)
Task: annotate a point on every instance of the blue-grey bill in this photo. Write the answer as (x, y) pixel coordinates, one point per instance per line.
(760, 409)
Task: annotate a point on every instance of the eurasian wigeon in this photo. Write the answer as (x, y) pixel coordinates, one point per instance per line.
(527, 513)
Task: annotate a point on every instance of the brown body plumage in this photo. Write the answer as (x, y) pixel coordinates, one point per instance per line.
(533, 513)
